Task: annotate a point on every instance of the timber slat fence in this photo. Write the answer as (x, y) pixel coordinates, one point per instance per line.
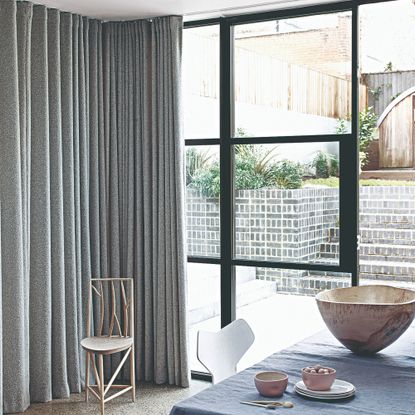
(265, 80)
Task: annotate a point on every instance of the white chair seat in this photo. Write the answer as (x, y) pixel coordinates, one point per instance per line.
(220, 352)
(106, 345)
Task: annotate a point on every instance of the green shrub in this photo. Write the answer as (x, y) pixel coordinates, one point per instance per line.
(334, 166)
(196, 160)
(248, 174)
(288, 174)
(325, 164)
(342, 126)
(208, 180)
(255, 168)
(367, 130)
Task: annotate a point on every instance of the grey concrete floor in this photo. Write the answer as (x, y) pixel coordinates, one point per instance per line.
(151, 400)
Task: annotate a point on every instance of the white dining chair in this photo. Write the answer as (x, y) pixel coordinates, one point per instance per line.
(219, 352)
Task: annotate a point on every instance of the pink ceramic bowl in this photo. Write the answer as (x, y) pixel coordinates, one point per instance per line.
(319, 381)
(271, 384)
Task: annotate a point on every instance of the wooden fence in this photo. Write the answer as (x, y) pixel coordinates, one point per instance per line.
(265, 80)
(384, 87)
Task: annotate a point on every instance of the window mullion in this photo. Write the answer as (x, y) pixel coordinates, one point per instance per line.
(228, 285)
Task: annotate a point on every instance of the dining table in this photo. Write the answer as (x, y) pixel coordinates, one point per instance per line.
(384, 382)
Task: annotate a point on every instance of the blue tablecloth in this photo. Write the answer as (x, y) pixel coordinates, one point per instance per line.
(385, 382)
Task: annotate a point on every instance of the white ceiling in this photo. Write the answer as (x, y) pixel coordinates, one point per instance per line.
(193, 9)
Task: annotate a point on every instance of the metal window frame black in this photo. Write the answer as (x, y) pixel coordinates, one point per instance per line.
(348, 146)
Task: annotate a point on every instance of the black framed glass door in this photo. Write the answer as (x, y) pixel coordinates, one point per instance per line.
(278, 186)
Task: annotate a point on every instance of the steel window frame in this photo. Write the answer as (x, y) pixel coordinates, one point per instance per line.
(348, 154)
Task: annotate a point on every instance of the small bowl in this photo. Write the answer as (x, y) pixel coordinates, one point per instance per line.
(319, 381)
(271, 384)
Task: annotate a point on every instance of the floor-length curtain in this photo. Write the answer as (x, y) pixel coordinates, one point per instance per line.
(91, 184)
(45, 245)
(142, 68)
(14, 200)
(1, 329)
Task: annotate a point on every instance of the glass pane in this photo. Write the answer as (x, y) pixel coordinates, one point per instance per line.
(202, 201)
(287, 202)
(266, 296)
(201, 82)
(387, 182)
(203, 304)
(387, 34)
(293, 76)
(387, 229)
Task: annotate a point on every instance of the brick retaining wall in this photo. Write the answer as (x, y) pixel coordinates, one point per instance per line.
(271, 224)
(297, 225)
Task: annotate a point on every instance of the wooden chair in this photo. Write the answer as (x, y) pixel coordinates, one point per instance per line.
(102, 344)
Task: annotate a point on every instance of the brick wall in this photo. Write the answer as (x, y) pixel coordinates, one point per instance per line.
(326, 50)
(302, 226)
(202, 224)
(271, 224)
(283, 225)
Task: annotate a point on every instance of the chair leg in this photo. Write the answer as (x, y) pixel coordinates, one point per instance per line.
(132, 372)
(101, 380)
(87, 377)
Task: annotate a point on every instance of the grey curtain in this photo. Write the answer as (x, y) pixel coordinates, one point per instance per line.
(1, 329)
(91, 184)
(145, 190)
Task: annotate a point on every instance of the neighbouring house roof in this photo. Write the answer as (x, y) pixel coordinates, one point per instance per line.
(395, 102)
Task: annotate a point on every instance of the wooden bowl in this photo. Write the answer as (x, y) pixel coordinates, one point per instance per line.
(368, 318)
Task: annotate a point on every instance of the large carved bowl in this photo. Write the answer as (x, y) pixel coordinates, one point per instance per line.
(367, 319)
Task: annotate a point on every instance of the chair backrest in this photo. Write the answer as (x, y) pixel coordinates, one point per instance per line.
(110, 307)
(220, 352)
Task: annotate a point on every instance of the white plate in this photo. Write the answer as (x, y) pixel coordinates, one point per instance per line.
(339, 387)
(317, 394)
(340, 390)
(324, 398)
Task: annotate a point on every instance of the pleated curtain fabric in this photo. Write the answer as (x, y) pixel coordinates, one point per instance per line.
(145, 189)
(1, 329)
(91, 185)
